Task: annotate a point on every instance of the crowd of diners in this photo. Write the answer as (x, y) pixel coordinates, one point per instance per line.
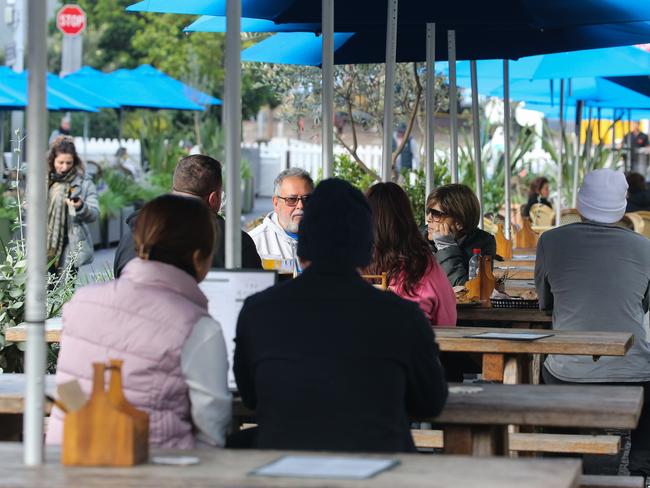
(326, 360)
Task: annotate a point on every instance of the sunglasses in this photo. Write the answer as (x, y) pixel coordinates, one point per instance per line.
(293, 201)
(436, 215)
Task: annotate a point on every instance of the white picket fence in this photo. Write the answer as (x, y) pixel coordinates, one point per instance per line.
(103, 150)
(281, 153)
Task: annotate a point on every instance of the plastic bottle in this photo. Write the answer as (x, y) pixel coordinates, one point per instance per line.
(475, 264)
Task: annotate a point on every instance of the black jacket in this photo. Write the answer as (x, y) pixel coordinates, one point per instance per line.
(639, 200)
(250, 259)
(341, 369)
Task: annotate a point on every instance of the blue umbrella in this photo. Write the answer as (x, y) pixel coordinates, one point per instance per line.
(209, 23)
(130, 90)
(15, 84)
(79, 93)
(355, 15)
(9, 101)
(472, 43)
(155, 78)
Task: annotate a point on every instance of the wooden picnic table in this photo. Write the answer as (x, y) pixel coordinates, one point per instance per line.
(52, 331)
(491, 314)
(518, 272)
(231, 468)
(509, 360)
(476, 417)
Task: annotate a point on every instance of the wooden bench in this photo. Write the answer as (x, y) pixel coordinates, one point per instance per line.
(592, 481)
(558, 443)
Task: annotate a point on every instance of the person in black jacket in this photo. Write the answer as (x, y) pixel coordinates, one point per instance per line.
(453, 213)
(327, 361)
(638, 196)
(195, 176)
(538, 193)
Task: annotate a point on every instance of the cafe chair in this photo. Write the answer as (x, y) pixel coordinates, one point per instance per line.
(641, 222)
(541, 215)
(569, 216)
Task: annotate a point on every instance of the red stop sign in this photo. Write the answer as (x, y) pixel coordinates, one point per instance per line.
(71, 20)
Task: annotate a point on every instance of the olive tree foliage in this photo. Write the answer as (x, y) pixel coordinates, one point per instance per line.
(358, 97)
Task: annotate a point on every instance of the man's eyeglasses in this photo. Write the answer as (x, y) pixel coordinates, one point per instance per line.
(293, 201)
(436, 215)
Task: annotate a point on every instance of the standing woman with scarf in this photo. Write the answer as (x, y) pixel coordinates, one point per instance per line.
(72, 204)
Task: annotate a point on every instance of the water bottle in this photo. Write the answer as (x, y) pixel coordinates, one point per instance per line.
(474, 264)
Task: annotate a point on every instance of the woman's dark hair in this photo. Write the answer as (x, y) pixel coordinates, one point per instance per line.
(400, 248)
(64, 145)
(171, 228)
(459, 202)
(536, 186)
(635, 182)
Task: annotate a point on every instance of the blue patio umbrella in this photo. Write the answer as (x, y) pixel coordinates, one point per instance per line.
(209, 23)
(360, 14)
(155, 78)
(15, 84)
(79, 93)
(130, 90)
(479, 42)
(9, 101)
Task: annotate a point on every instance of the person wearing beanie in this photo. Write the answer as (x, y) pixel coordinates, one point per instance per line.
(328, 361)
(595, 276)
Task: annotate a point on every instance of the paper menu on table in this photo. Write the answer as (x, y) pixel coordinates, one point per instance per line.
(226, 291)
(327, 467)
(512, 336)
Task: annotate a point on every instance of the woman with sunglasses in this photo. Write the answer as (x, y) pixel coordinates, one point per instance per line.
(453, 214)
(403, 254)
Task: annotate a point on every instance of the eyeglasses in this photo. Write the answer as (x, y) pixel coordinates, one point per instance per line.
(293, 201)
(436, 215)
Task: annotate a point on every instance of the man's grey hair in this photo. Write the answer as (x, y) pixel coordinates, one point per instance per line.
(289, 173)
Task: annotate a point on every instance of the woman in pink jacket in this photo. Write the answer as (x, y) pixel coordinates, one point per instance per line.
(401, 251)
(155, 318)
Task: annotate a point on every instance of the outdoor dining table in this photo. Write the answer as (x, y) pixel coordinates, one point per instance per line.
(517, 272)
(509, 360)
(534, 317)
(476, 417)
(232, 468)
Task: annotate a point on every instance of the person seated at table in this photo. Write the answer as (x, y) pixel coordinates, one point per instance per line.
(277, 235)
(453, 214)
(196, 176)
(403, 253)
(538, 194)
(155, 318)
(350, 364)
(638, 196)
(595, 276)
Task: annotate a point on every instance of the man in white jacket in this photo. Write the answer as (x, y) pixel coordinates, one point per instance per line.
(277, 235)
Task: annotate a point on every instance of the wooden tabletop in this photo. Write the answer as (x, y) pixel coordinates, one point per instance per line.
(514, 272)
(12, 392)
(231, 468)
(582, 406)
(560, 342)
(485, 314)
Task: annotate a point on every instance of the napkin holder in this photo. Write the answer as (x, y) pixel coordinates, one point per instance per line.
(107, 430)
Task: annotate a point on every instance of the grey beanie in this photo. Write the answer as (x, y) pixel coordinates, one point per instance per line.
(602, 196)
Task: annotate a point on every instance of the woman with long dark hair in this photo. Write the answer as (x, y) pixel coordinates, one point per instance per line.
(538, 193)
(401, 251)
(72, 204)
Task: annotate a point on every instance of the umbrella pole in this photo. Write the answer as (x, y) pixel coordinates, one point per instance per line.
(430, 107)
(120, 127)
(506, 146)
(327, 89)
(613, 165)
(389, 90)
(453, 105)
(476, 131)
(36, 237)
(232, 126)
(630, 143)
(85, 137)
(576, 166)
(558, 203)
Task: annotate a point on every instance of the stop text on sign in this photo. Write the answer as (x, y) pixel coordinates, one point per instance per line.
(71, 20)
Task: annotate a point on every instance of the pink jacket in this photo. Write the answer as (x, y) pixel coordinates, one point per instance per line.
(144, 318)
(433, 294)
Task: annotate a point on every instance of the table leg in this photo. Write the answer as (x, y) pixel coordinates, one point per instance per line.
(476, 440)
(493, 366)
